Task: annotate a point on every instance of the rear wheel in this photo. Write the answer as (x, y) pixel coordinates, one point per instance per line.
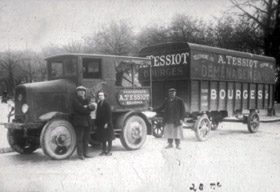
(202, 128)
(134, 132)
(58, 139)
(19, 143)
(157, 128)
(253, 122)
(214, 125)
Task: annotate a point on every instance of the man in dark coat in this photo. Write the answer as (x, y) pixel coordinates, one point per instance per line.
(174, 111)
(105, 130)
(81, 121)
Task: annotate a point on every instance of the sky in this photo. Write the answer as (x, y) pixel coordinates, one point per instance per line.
(34, 24)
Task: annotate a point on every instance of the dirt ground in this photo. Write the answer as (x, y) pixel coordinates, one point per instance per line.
(232, 159)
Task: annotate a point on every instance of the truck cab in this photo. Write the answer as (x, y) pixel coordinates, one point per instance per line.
(43, 109)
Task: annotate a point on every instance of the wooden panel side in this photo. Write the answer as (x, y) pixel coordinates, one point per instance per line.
(194, 95)
(182, 87)
(260, 96)
(245, 95)
(230, 97)
(222, 96)
(214, 96)
(252, 96)
(271, 91)
(238, 96)
(266, 87)
(204, 95)
(157, 93)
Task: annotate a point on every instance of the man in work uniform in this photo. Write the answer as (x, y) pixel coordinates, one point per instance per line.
(174, 111)
(81, 121)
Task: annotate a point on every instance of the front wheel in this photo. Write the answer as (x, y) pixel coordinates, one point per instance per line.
(134, 132)
(253, 122)
(202, 128)
(19, 143)
(58, 139)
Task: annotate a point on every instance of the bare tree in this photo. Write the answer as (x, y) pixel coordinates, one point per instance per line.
(117, 38)
(182, 28)
(40, 67)
(153, 35)
(10, 64)
(265, 15)
(51, 50)
(186, 28)
(73, 47)
(236, 34)
(33, 66)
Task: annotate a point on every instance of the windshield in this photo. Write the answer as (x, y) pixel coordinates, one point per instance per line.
(62, 68)
(127, 73)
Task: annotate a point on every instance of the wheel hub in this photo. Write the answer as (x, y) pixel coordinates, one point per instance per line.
(254, 121)
(135, 130)
(60, 137)
(204, 128)
(61, 140)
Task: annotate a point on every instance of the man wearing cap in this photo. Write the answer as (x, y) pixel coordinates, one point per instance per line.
(174, 111)
(81, 121)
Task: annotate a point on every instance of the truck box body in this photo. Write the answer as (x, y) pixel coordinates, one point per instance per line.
(210, 79)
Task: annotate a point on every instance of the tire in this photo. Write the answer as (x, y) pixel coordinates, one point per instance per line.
(214, 125)
(19, 143)
(253, 122)
(157, 128)
(134, 132)
(202, 128)
(58, 139)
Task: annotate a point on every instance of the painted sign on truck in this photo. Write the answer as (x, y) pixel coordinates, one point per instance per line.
(209, 78)
(214, 83)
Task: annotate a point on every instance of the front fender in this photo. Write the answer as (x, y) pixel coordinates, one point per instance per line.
(121, 119)
(54, 114)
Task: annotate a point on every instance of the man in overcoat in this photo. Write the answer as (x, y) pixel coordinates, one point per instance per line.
(81, 121)
(104, 124)
(173, 116)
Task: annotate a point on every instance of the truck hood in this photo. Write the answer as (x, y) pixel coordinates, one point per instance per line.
(58, 85)
(43, 97)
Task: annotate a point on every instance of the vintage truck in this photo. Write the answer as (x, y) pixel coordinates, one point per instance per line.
(43, 110)
(214, 83)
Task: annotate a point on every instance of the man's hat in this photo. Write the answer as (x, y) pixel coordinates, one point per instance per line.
(81, 88)
(171, 90)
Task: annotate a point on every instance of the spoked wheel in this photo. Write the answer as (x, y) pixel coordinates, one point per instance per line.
(19, 143)
(214, 125)
(58, 139)
(134, 132)
(253, 122)
(202, 128)
(157, 128)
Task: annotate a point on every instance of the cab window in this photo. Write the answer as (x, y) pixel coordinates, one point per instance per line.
(62, 68)
(56, 69)
(127, 74)
(91, 68)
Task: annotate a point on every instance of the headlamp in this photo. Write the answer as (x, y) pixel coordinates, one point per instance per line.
(24, 108)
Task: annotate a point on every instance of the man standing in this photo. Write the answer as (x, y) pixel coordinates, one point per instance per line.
(104, 124)
(174, 111)
(81, 121)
